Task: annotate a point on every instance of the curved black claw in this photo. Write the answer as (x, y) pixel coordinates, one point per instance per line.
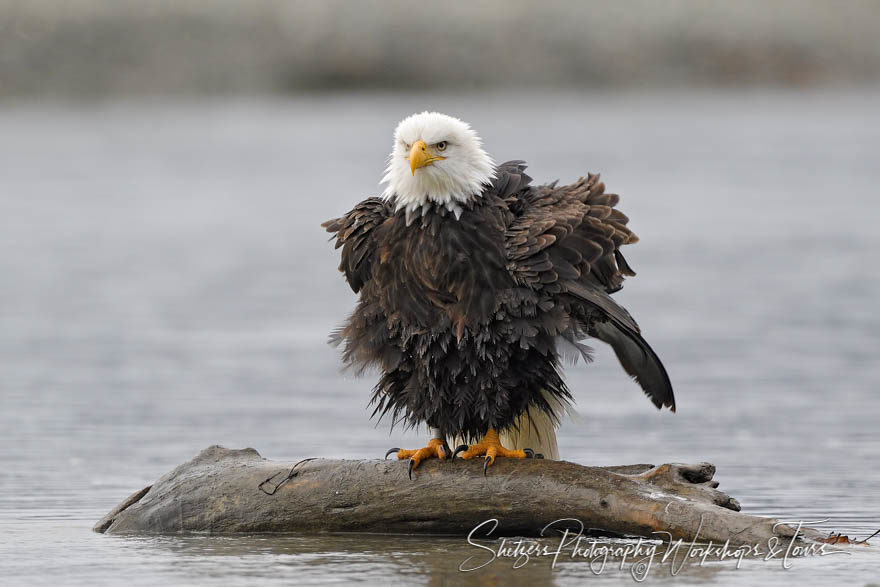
(458, 449)
(486, 463)
(530, 454)
(391, 450)
(412, 464)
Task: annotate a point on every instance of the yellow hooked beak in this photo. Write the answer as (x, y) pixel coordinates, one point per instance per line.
(419, 156)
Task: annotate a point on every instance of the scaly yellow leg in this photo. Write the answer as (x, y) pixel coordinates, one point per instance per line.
(436, 449)
(490, 447)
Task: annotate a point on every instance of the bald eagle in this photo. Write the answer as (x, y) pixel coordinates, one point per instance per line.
(473, 284)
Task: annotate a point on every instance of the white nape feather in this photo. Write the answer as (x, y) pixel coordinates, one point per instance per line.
(466, 170)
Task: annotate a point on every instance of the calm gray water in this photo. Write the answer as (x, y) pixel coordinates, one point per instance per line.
(165, 286)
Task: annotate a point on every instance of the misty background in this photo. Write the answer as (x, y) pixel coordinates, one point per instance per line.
(93, 48)
(165, 284)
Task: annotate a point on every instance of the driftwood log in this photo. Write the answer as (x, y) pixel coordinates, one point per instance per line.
(238, 491)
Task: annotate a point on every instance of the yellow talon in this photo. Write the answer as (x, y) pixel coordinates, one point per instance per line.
(436, 448)
(490, 447)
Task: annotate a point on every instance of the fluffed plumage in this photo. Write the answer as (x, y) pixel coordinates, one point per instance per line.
(465, 312)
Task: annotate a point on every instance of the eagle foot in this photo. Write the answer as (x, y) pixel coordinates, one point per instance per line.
(490, 447)
(437, 448)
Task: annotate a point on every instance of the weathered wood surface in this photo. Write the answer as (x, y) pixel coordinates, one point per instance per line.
(238, 491)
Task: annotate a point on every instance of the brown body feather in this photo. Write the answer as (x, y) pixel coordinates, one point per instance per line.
(463, 316)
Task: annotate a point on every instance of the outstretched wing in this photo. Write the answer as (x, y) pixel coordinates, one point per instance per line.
(355, 233)
(568, 233)
(565, 241)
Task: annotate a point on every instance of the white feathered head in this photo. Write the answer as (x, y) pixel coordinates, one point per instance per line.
(436, 159)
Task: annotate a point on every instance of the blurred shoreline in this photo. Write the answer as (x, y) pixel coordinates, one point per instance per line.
(90, 49)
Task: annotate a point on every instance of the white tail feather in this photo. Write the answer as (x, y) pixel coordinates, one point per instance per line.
(536, 431)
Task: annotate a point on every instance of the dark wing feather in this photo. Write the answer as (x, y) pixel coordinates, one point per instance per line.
(564, 241)
(355, 233)
(636, 356)
(510, 178)
(582, 215)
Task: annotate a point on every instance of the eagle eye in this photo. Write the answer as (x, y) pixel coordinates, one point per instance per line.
(441, 146)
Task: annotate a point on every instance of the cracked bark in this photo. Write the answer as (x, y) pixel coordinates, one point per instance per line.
(238, 491)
